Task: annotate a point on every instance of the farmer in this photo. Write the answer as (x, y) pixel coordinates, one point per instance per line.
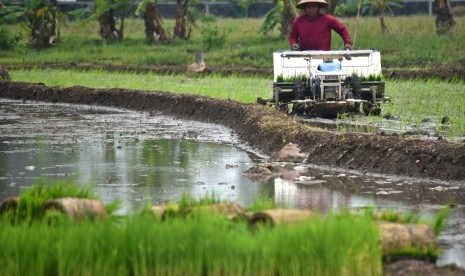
(312, 30)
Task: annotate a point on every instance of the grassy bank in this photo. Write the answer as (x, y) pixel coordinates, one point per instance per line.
(410, 42)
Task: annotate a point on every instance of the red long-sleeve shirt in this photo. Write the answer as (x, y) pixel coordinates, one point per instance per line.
(315, 34)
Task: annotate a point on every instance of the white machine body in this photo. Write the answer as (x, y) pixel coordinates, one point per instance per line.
(363, 63)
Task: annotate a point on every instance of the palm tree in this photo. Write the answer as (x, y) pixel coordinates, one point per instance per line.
(154, 30)
(444, 20)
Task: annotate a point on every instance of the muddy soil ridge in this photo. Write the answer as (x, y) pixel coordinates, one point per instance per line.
(268, 130)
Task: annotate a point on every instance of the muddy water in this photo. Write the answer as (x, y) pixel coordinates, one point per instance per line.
(133, 157)
(140, 157)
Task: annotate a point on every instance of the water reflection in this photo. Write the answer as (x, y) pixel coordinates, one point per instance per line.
(326, 190)
(124, 155)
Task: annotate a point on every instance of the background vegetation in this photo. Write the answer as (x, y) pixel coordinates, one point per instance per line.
(410, 42)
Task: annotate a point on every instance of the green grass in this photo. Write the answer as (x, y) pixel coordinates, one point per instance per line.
(411, 41)
(238, 88)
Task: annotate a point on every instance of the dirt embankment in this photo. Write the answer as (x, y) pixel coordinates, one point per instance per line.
(268, 130)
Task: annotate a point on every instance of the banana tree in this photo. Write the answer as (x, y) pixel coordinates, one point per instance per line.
(444, 20)
(106, 12)
(154, 30)
(38, 17)
(381, 6)
(283, 13)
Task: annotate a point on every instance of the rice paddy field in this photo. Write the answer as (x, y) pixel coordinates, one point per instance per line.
(337, 244)
(414, 103)
(410, 43)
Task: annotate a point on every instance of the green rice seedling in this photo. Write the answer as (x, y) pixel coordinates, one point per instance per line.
(187, 201)
(372, 77)
(33, 198)
(261, 203)
(440, 220)
(302, 77)
(437, 222)
(32, 201)
(393, 216)
(415, 102)
(195, 245)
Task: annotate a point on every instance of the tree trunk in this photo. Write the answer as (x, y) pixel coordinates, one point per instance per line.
(287, 18)
(39, 33)
(54, 32)
(154, 30)
(444, 20)
(332, 6)
(183, 28)
(121, 28)
(108, 31)
(384, 28)
(43, 23)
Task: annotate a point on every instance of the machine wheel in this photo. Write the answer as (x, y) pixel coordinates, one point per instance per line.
(371, 109)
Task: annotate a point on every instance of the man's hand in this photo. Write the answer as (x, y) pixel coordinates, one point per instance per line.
(295, 47)
(347, 46)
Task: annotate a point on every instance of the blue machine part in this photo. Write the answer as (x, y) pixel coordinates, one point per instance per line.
(329, 67)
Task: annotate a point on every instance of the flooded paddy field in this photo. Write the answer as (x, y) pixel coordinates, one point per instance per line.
(140, 157)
